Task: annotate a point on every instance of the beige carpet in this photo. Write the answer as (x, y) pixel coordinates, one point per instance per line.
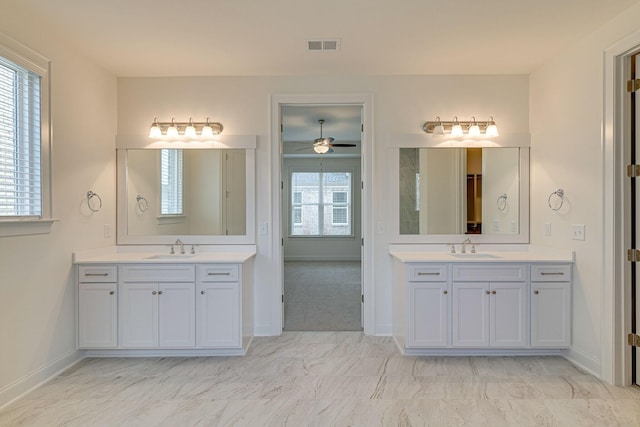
(322, 296)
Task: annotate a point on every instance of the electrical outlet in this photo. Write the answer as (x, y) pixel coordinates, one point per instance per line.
(547, 229)
(495, 225)
(107, 231)
(577, 231)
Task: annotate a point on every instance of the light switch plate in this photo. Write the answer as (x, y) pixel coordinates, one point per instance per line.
(107, 231)
(547, 229)
(577, 231)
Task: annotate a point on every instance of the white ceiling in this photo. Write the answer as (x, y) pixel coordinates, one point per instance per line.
(300, 125)
(254, 37)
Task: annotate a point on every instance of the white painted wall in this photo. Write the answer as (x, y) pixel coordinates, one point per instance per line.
(567, 152)
(494, 185)
(401, 105)
(37, 283)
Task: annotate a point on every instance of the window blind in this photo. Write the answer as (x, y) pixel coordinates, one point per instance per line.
(20, 157)
(171, 182)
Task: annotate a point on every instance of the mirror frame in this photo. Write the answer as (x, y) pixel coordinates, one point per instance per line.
(521, 141)
(247, 142)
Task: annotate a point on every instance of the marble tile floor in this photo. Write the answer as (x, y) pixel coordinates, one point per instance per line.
(325, 379)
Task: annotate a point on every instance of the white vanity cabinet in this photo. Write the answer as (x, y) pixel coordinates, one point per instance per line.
(551, 305)
(429, 306)
(490, 306)
(218, 306)
(97, 306)
(157, 306)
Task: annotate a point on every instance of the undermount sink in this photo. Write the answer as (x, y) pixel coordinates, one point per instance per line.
(472, 255)
(171, 256)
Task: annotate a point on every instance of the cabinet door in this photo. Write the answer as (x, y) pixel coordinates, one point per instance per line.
(218, 307)
(508, 315)
(550, 314)
(470, 314)
(176, 315)
(428, 315)
(139, 315)
(97, 315)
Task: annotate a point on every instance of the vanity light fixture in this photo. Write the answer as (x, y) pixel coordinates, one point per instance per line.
(190, 129)
(458, 129)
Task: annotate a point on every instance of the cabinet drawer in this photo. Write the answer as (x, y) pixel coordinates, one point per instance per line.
(490, 272)
(428, 273)
(157, 273)
(551, 273)
(218, 273)
(97, 273)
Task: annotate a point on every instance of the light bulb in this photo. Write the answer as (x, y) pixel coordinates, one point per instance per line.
(456, 129)
(492, 129)
(172, 131)
(155, 131)
(190, 130)
(474, 129)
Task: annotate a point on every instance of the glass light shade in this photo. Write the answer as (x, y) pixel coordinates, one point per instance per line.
(474, 130)
(172, 131)
(155, 131)
(438, 129)
(321, 149)
(207, 131)
(190, 131)
(456, 131)
(492, 131)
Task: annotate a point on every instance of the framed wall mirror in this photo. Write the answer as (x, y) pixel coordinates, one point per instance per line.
(201, 196)
(444, 194)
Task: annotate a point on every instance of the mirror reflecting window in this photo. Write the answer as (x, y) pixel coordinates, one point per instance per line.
(458, 191)
(186, 192)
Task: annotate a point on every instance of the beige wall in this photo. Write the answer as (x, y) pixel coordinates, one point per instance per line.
(568, 152)
(37, 284)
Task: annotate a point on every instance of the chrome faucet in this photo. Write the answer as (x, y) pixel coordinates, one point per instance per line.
(179, 243)
(466, 242)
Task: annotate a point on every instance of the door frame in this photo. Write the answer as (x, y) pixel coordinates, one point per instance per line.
(366, 158)
(616, 306)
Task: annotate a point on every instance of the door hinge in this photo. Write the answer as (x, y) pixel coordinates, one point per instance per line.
(283, 298)
(362, 241)
(281, 127)
(633, 171)
(633, 85)
(633, 340)
(633, 255)
(361, 127)
(362, 298)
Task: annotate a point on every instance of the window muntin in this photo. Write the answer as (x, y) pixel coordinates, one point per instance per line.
(321, 204)
(20, 144)
(171, 182)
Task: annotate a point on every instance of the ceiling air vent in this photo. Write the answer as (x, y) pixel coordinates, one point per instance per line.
(328, 45)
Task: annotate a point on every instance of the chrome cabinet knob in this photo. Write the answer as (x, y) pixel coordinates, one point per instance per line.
(493, 292)
(111, 292)
(159, 292)
(153, 293)
(536, 292)
(445, 292)
(488, 292)
(202, 292)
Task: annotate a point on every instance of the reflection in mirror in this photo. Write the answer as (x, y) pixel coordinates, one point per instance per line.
(186, 192)
(459, 191)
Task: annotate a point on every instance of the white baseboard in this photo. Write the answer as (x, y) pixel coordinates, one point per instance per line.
(583, 361)
(263, 331)
(23, 385)
(383, 329)
(321, 258)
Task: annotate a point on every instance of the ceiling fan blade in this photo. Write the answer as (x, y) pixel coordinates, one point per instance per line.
(343, 145)
(305, 148)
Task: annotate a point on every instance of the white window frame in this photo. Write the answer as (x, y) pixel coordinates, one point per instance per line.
(175, 192)
(25, 57)
(296, 208)
(340, 206)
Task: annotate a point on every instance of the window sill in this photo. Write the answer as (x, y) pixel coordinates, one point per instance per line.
(171, 219)
(14, 227)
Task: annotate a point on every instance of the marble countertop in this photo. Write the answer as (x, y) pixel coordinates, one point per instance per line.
(524, 253)
(160, 255)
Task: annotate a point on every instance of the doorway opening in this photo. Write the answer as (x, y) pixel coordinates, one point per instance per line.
(321, 217)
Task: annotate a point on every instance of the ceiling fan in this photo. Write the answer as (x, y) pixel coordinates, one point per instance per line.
(324, 145)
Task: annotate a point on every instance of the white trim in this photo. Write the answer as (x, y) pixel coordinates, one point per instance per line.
(367, 203)
(583, 361)
(23, 55)
(25, 384)
(26, 227)
(426, 140)
(615, 366)
(219, 141)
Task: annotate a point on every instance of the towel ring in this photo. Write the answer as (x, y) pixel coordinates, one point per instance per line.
(501, 202)
(143, 205)
(91, 195)
(559, 195)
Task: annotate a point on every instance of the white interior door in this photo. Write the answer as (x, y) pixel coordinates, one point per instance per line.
(635, 205)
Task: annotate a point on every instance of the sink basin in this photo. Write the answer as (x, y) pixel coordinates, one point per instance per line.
(474, 256)
(171, 256)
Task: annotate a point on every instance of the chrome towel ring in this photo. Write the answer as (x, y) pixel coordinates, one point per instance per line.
(91, 195)
(558, 197)
(143, 205)
(501, 202)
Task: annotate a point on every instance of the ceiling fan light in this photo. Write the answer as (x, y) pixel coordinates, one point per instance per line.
(321, 148)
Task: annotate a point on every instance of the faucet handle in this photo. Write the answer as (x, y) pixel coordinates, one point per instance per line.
(453, 248)
(473, 248)
(171, 251)
(193, 251)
